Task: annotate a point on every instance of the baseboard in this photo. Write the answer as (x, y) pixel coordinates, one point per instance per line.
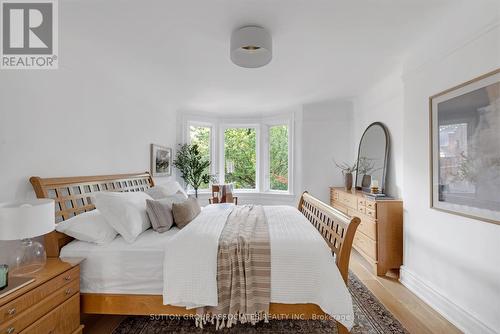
(451, 311)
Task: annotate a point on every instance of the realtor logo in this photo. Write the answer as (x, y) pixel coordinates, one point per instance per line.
(29, 34)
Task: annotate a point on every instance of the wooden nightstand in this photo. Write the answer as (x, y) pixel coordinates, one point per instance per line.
(51, 304)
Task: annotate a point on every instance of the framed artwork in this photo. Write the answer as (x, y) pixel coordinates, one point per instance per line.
(465, 149)
(161, 160)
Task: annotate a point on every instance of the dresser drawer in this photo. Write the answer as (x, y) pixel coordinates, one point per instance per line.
(371, 204)
(371, 213)
(24, 319)
(63, 319)
(366, 245)
(367, 225)
(334, 195)
(348, 200)
(361, 202)
(18, 305)
(361, 209)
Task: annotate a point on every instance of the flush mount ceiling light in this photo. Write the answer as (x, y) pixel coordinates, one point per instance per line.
(251, 47)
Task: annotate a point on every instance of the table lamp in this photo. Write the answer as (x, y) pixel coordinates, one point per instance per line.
(23, 221)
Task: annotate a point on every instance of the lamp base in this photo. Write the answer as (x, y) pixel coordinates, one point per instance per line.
(30, 258)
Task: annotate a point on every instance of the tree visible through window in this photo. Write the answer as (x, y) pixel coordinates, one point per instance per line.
(278, 157)
(200, 135)
(240, 157)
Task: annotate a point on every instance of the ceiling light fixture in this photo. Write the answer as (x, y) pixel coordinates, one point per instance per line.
(251, 47)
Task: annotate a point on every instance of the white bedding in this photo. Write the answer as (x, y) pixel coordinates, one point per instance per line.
(302, 267)
(121, 267)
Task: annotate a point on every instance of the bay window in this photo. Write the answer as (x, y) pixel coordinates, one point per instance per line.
(255, 155)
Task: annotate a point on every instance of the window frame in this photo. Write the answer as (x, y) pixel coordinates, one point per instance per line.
(219, 124)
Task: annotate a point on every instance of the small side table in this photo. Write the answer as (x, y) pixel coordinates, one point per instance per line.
(50, 304)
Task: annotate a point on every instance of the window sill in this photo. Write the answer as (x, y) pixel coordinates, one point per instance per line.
(248, 193)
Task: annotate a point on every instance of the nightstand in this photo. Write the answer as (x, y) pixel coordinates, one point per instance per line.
(51, 304)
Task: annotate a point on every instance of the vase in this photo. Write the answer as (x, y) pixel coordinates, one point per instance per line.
(348, 181)
(367, 181)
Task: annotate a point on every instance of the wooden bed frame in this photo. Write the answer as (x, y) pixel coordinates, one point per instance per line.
(72, 196)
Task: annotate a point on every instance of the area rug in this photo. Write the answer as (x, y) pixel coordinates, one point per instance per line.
(371, 317)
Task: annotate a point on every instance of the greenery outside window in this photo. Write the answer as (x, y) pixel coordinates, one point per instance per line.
(240, 157)
(278, 158)
(201, 135)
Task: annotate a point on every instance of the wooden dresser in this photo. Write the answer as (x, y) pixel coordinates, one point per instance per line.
(51, 304)
(379, 238)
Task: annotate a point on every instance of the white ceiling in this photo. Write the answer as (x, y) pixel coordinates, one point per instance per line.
(178, 51)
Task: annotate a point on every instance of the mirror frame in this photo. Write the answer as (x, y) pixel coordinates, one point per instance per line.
(386, 156)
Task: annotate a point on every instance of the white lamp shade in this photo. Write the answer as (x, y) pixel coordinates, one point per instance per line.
(23, 220)
(251, 47)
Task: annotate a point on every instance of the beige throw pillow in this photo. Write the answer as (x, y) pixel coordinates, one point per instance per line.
(160, 214)
(186, 211)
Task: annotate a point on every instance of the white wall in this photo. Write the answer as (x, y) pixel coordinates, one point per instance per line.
(450, 261)
(456, 257)
(384, 103)
(326, 135)
(82, 119)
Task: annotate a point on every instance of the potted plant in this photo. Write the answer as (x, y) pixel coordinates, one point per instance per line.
(347, 171)
(192, 165)
(365, 167)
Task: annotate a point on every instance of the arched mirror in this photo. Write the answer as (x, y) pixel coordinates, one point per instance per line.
(372, 157)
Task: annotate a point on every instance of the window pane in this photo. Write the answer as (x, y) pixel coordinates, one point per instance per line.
(278, 157)
(200, 135)
(240, 157)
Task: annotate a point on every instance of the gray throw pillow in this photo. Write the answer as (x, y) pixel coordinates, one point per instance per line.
(160, 214)
(186, 211)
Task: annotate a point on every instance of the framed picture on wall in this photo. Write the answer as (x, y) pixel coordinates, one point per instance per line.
(161, 160)
(465, 149)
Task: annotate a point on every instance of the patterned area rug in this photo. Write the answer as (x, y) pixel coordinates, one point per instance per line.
(371, 317)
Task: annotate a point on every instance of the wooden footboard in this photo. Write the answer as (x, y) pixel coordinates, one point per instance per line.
(73, 196)
(336, 228)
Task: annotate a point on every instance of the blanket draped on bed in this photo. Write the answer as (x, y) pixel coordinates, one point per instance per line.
(243, 270)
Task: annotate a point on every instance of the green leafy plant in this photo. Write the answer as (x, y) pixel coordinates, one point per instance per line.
(192, 165)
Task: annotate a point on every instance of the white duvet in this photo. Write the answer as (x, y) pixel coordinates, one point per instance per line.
(302, 267)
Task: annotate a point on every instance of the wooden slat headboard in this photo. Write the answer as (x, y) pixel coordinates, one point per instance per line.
(73, 195)
(336, 228)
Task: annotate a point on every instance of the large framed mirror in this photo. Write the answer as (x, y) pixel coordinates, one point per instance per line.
(373, 153)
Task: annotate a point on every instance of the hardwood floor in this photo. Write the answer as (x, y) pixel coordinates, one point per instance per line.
(413, 313)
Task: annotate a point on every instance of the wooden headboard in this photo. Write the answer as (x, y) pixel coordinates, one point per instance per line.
(72, 196)
(336, 228)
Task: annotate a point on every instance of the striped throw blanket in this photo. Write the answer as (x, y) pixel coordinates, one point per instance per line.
(243, 270)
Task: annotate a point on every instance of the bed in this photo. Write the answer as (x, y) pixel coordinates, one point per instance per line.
(116, 290)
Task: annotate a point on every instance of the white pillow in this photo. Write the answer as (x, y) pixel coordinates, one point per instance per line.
(171, 188)
(125, 212)
(88, 226)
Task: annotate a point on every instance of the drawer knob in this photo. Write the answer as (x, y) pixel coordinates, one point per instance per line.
(68, 291)
(10, 330)
(67, 278)
(11, 311)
